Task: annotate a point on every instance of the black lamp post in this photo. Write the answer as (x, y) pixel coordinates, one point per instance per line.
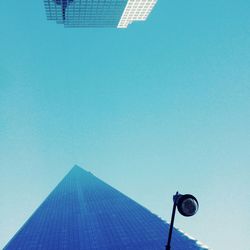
(187, 205)
(64, 4)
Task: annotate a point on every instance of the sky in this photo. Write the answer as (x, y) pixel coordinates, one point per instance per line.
(159, 107)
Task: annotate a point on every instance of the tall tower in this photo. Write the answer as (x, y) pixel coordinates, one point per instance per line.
(85, 213)
(98, 13)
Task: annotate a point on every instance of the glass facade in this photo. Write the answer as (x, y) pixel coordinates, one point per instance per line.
(84, 213)
(85, 13)
(136, 10)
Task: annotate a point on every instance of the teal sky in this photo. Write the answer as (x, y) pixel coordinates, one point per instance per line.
(161, 106)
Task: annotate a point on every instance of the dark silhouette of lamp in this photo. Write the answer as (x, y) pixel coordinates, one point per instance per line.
(187, 205)
(64, 4)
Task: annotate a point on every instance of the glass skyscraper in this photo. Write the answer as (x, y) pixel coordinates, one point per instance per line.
(84, 213)
(98, 13)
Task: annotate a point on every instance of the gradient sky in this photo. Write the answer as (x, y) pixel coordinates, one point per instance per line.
(161, 106)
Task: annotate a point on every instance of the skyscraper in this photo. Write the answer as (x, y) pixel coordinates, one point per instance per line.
(84, 213)
(98, 13)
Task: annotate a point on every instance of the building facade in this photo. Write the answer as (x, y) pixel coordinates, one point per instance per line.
(85, 213)
(98, 13)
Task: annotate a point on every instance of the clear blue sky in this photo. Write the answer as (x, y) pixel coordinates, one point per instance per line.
(161, 106)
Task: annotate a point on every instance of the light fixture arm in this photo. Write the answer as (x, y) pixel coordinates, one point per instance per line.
(175, 198)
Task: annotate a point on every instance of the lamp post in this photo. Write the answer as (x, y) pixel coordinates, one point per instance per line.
(64, 4)
(187, 205)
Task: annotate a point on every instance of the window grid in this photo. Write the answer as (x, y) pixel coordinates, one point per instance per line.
(84, 213)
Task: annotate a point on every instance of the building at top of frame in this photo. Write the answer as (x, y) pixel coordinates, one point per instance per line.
(98, 13)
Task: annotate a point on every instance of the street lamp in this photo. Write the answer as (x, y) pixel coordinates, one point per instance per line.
(64, 4)
(187, 205)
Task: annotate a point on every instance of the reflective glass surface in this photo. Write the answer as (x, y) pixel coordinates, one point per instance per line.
(85, 213)
(85, 13)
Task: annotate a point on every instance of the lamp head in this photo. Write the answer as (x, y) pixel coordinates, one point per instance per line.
(187, 205)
